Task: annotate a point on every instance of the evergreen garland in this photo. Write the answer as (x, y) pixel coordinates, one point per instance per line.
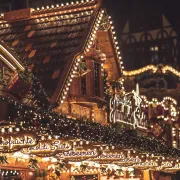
(57, 125)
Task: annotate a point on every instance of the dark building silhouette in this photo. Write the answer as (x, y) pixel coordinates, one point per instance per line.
(149, 40)
(150, 52)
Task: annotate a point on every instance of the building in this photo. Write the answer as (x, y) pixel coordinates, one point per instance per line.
(154, 45)
(65, 112)
(150, 50)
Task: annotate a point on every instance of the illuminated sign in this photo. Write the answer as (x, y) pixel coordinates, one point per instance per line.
(147, 164)
(10, 143)
(131, 160)
(111, 156)
(127, 110)
(79, 154)
(166, 165)
(43, 148)
(117, 158)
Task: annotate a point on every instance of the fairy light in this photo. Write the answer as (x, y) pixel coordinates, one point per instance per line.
(87, 47)
(170, 104)
(90, 43)
(141, 70)
(115, 44)
(171, 69)
(153, 68)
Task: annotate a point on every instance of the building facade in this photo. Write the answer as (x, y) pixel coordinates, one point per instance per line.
(66, 110)
(151, 58)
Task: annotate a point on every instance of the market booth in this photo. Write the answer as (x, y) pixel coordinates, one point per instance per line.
(66, 114)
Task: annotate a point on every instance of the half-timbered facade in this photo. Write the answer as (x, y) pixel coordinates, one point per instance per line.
(150, 50)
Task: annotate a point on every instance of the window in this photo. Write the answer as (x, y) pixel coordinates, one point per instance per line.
(83, 81)
(83, 84)
(154, 54)
(166, 53)
(97, 68)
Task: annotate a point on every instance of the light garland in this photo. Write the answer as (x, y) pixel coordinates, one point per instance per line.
(41, 15)
(154, 100)
(153, 68)
(87, 130)
(6, 173)
(60, 126)
(70, 8)
(174, 111)
(80, 58)
(171, 69)
(90, 166)
(63, 6)
(116, 46)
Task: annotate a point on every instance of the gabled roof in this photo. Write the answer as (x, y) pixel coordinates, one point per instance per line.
(52, 41)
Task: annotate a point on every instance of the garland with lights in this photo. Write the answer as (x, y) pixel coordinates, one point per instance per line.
(39, 94)
(25, 82)
(63, 127)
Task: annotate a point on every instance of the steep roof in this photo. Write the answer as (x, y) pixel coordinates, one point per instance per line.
(51, 41)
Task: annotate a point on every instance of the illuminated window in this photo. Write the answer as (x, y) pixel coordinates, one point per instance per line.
(154, 54)
(154, 48)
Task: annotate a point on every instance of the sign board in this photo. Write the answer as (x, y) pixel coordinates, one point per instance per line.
(166, 164)
(111, 156)
(127, 109)
(15, 142)
(49, 147)
(129, 160)
(83, 154)
(17, 15)
(147, 164)
(116, 158)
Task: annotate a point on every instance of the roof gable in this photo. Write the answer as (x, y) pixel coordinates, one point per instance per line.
(53, 41)
(101, 33)
(48, 41)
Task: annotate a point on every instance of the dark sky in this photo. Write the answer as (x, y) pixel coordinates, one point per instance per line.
(121, 10)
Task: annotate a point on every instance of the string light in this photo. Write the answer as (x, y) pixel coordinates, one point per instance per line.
(90, 131)
(139, 71)
(153, 68)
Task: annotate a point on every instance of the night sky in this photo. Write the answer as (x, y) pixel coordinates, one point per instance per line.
(121, 10)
